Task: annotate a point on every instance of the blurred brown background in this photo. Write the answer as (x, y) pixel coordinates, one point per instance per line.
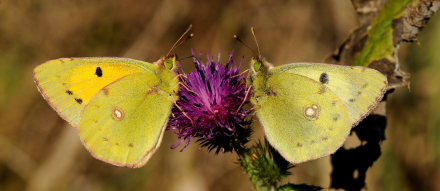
(38, 151)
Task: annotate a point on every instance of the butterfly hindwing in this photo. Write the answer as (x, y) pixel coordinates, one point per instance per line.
(299, 120)
(68, 84)
(124, 123)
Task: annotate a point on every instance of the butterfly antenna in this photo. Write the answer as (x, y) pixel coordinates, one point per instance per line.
(244, 44)
(181, 40)
(256, 42)
(190, 36)
(184, 58)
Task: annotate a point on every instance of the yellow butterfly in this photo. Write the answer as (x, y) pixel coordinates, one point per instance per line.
(308, 109)
(120, 106)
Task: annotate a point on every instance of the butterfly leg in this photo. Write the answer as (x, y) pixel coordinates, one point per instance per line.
(187, 88)
(181, 76)
(184, 113)
(247, 70)
(245, 98)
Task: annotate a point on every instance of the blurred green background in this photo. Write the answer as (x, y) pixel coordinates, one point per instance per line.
(39, 151)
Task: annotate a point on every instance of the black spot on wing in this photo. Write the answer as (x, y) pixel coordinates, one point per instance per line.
(98, 71)
(324, 78)
(79, 100)
(69, 92)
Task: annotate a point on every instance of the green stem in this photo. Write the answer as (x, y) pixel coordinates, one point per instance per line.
(262, 167)
(245, 160)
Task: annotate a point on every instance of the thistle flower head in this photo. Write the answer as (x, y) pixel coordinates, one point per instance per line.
(211, 108)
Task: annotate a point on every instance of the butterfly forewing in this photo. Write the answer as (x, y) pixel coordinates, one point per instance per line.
(360, 88)
(68, 84)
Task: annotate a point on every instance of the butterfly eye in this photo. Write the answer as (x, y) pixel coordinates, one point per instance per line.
(169, 63)
(256, 65)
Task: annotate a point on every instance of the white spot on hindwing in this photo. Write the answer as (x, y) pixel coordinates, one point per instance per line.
(311, 112)
(117, 114)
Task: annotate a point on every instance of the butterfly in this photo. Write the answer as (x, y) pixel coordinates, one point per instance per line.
(308, 109)
(120, 106)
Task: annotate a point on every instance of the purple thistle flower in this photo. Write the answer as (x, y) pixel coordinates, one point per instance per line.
(212, 107)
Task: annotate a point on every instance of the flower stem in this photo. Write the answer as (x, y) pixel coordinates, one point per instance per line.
(245, 159)
(262, 166)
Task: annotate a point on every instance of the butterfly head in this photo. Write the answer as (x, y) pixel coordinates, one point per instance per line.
(170, 63)
(260, 65)
(256, 65)
(260, 68)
